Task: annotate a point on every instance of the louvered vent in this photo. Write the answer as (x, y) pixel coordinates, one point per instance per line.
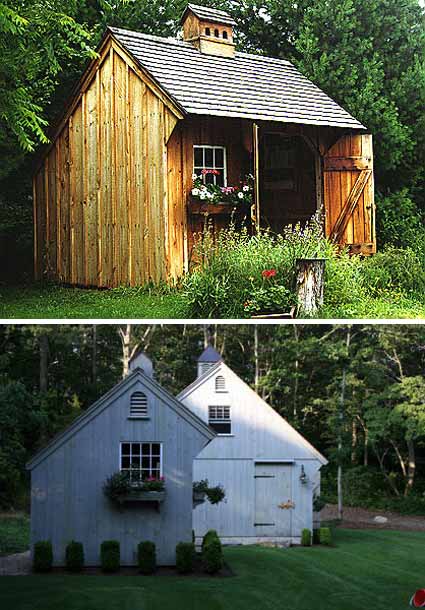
(220, 384)
(138, 405)
(204, 367)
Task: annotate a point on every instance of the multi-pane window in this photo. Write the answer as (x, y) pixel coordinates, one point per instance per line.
(219, 419)
(138, 405)
(141, 460)
(210, 163)
(220, 384)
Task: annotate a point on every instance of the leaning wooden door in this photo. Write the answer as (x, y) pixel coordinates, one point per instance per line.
(272, 493)
(349, 194)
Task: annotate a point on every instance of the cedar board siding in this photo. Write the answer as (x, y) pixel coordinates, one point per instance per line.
(67, 501)
(100, 203)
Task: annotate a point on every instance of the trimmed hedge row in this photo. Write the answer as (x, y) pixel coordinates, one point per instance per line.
(212, 553)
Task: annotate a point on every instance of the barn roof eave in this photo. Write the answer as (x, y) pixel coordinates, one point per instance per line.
(104, 401)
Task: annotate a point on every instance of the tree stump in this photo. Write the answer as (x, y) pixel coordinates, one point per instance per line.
(310, 281)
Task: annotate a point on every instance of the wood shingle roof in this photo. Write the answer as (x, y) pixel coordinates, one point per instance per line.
(209, 14)
(246, 86)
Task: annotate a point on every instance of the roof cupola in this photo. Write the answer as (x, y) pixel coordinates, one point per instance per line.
(209, 30)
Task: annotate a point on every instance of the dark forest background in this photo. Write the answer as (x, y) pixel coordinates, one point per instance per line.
(360, 387)
(367, 54)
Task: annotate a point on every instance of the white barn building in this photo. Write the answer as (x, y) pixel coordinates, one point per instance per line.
(269, 471)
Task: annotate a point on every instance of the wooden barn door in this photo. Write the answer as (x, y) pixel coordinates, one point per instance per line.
(349, 194)
(272, 489)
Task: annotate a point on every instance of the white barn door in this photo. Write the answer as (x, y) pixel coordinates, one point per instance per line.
(273, 489)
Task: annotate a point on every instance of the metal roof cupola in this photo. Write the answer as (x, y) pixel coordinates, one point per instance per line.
(209, 30)
(207, 360)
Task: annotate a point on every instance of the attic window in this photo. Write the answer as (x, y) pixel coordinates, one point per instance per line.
(220, 384)
(138, 405)
(225, 35)
(216, 33)
(219, 419)
(210, 163)
(208, 31)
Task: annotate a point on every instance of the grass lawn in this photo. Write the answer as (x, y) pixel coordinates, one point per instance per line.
(36, 301)
(366, 570)
(14, 534)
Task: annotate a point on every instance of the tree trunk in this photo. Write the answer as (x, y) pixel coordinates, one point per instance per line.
(256, 360)
(310, 278)
(296, 380)
(366, 448)
(43, 345)
(411, 467)
(353, 441)
(94, 355)
(125, 334)
(339, 473)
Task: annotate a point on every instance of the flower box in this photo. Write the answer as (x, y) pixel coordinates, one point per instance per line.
(145, 496)
(198, 497)
(212, 209)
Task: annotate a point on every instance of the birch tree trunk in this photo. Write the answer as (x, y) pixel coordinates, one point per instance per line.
(43, 346)
(256, 360)
(309, 288)
(94, 355)
(411, 467)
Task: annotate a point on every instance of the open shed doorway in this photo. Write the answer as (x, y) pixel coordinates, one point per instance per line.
(287, 180)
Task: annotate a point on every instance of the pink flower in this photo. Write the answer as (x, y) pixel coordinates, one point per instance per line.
(215, 172)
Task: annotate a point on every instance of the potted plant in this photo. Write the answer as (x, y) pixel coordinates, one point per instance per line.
(202, 491)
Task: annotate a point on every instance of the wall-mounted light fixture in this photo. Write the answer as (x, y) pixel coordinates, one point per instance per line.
(303, 476)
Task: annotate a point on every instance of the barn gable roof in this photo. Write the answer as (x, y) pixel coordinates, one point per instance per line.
(245, 86)
(280, 421)
(105, 401)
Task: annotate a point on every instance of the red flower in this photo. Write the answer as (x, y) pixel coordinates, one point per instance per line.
(215, 172)
(269, 273)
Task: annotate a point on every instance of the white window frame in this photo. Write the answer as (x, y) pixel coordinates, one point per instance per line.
(197, 169)
(220, 420)
(150, 455)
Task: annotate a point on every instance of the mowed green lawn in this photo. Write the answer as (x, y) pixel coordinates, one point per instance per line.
(35, 301)
(365, 570)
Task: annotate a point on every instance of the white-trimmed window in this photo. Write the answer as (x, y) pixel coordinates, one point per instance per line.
(210, 163)
(141, 460)
(220, 384)
(219, 419)
(138, 405)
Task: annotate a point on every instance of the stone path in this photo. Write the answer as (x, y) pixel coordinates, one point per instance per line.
(15, 565)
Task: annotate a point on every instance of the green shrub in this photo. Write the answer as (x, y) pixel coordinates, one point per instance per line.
(212, 556)
(394, 270)
(306, 537)
(316, 536)
(228, 281)
(74, 556)
(110, 555)
(146, 557)
(325, 536)
(209, 536)
(185, 557)
(42, 556)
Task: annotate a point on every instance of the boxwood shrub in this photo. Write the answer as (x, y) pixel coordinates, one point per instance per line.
(42, 556)
(110, 555)
(74, 556)
(146, 557)
(209, 536)
(306, 537)
(212, 556)
(185, 557)
(325, 536)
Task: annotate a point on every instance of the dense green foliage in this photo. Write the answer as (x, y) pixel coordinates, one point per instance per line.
(239, 275)
(110, 556)
(51, 374)
(116, 487)
(14, 534)
(74, 556)
(379, 569)
(208, 537)
(306, 537)
(42, 560)
(368, 55)
(325, 536)
(212, 556)
(146, 557)
(185, 557)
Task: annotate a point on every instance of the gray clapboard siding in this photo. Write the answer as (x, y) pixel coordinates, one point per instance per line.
(67, 501)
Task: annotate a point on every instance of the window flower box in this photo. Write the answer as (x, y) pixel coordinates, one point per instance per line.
(145, 496)
(200, 208)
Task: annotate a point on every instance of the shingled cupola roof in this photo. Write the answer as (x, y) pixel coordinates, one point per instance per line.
(210, 355)
(209, 30)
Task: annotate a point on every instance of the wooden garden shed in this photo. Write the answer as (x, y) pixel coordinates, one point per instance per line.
(113, 200)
